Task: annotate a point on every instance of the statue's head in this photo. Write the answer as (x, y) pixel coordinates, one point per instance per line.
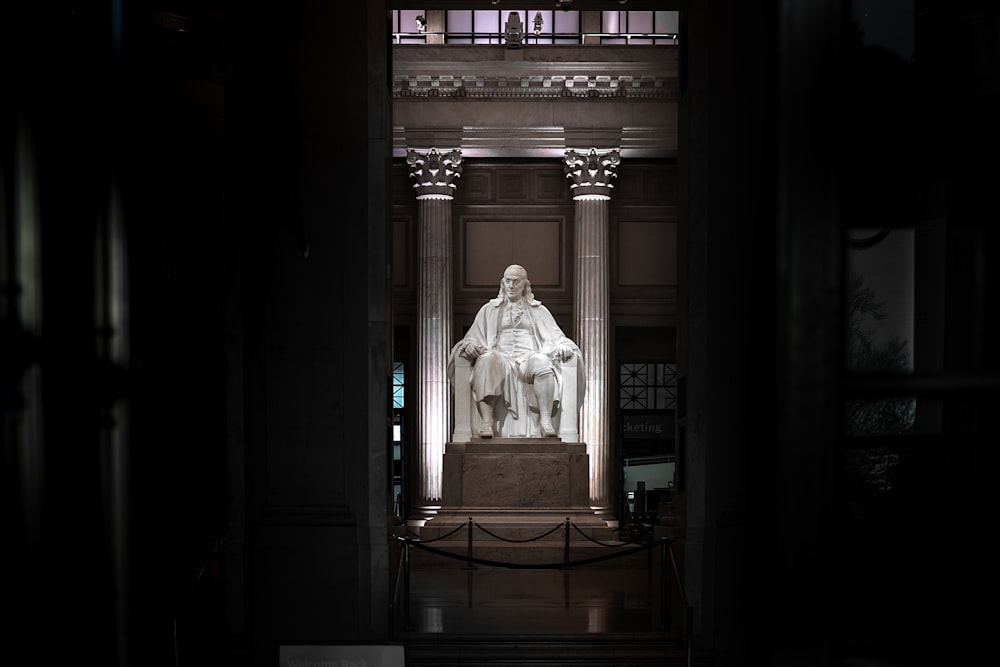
(515, 284)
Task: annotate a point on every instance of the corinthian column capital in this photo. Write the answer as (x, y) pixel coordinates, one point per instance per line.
(434, 173)
(592, 172)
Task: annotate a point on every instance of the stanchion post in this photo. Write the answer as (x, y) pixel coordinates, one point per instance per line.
(664, 590)
(406, 585)
(566, 543)
(687, 632)
(470, 541)
(685, 605)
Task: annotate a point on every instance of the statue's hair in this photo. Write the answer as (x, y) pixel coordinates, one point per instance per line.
(529, 296)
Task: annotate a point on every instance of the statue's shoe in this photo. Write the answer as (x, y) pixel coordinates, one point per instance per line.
(486, 430)
(548, 430)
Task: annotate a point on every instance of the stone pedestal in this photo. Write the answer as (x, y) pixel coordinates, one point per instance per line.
(516, 474)
(509, 491)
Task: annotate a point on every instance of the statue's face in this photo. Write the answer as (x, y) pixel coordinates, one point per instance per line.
(513, 284)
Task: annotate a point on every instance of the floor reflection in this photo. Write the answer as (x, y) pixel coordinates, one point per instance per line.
(604, 599)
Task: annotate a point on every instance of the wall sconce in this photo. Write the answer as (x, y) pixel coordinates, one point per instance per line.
(421, 23)
(538, 23)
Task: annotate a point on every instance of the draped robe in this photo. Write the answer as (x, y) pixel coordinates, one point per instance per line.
(517, 399)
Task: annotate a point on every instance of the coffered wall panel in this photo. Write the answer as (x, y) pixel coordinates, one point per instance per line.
(492, 244)
(647, 253)
(643, 235)
(403, 263)
(551, 185)
(402, 245)
(476, 185)
(513, 213)
(512, 186)
(489, 239)
(522, 212)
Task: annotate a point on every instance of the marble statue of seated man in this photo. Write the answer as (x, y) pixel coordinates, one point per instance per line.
(517, 353)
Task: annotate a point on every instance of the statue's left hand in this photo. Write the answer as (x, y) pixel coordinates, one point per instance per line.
(563, 353)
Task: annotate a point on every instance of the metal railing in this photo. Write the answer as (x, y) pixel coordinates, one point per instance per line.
(549, 39)
(668, 562)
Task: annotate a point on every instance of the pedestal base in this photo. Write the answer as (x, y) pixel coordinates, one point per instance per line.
(515, 474)
(523, 500)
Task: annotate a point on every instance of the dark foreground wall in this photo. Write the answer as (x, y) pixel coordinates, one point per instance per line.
(309, 115)
(194, 328)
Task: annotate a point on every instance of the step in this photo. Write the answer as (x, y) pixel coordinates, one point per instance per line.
(515, 525)
(579, 651)
(519, 532)
(542, 553)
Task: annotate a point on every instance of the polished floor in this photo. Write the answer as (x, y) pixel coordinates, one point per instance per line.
(610, 614)
(619, 598)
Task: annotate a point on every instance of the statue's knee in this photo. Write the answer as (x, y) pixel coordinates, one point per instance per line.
(488, 364)
(542, 373)
(488, 359)
(541, 361)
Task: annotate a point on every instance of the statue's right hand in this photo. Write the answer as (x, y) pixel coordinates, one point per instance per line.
(469, 350)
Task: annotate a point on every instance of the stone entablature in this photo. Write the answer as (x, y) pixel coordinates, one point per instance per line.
(536, 86)
(537, 101)
(491, 56)
(539, 72)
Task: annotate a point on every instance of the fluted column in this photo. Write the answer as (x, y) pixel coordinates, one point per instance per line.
(590, 176)
(434, 174)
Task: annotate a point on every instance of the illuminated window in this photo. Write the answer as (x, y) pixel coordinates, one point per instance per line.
(406, 28)
(397, 384)
(641, 27)
(398, 467)
(647, 386)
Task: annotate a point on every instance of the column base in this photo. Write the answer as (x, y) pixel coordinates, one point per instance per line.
(422, 514)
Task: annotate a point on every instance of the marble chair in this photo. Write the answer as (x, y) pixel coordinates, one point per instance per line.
(565, 418)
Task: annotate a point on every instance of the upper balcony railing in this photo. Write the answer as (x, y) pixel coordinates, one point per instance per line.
(538, 27)
(617, 38)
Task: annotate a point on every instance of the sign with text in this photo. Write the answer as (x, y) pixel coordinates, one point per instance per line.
(648, 426)
(341, 655)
